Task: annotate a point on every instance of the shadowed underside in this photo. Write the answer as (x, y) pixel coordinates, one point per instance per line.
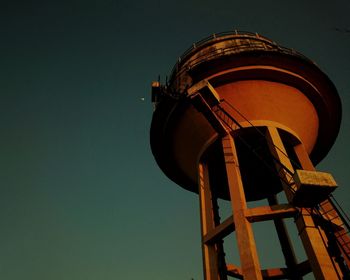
(266, 85)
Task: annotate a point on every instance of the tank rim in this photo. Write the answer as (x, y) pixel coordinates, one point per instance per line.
(229, 35)
(285, 58)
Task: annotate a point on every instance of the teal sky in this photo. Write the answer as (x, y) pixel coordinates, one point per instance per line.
(81, 196)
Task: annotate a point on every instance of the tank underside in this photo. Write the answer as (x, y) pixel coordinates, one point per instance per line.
(261, 87)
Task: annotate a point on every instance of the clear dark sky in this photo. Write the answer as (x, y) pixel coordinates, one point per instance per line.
(81, 195)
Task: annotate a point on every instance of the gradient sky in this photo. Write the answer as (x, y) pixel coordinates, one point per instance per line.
(81, 195)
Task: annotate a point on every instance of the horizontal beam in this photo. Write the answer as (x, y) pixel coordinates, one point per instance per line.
(220, 231)
(271, 273)
(275, 273)
(234, 271)
(265, 213)
(303, 268)
(207, 91)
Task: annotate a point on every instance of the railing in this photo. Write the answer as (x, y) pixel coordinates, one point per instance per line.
(267, 45)
(341, 231)
(222, 34)
(279, 170)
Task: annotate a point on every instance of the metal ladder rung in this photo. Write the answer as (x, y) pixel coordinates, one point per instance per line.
(326, 212)
(333, 218)
(342, 234)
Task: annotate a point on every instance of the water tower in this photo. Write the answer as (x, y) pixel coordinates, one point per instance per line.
(243, 119)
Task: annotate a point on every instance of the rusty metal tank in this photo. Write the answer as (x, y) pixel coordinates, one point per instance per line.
(264, 84)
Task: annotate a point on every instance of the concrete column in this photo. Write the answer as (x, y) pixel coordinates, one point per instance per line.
(312, 238)
(209, 251)
(250, 265)
(286, 244)
(328, 211)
